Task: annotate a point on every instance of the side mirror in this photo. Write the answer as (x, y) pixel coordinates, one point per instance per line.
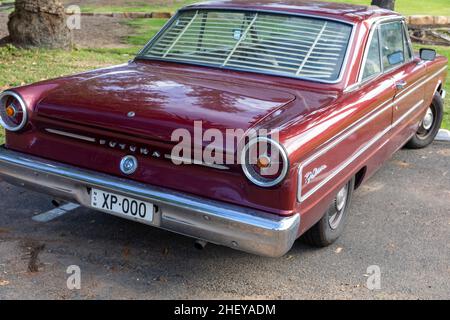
(396, 58)
(427, 54)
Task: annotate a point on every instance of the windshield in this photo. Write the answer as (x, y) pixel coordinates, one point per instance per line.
(289, 45)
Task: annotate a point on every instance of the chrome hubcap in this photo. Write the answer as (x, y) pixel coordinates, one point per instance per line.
(428, 120)
(335, 216)
(341, 198)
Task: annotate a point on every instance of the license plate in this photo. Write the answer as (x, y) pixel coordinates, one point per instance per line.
(125, 206)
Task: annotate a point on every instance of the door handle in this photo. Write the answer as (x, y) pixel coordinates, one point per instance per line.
(400, 85)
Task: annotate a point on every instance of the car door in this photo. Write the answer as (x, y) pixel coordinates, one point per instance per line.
(406, 71)
(377, 87)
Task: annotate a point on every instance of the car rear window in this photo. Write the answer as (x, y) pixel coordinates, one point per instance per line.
(297, 46)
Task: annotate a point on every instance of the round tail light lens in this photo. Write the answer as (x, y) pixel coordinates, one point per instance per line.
(13, 111)
(264, 162)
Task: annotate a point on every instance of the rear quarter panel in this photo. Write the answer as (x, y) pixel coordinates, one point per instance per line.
(340, 144)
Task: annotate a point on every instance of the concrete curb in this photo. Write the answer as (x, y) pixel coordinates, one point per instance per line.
(443, 135)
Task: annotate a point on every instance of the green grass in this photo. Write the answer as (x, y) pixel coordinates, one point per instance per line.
(140, 6)
(144, 30)
(445, 51)
(406, 7)
(413, 7)
(5, 9)
(19, 67)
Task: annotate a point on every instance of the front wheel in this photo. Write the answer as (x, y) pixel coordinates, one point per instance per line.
(332, 224)
(429, 126)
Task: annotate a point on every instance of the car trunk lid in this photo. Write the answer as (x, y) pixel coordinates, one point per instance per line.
(152, 103)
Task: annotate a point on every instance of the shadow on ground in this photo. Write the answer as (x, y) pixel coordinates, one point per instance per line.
(400, 221)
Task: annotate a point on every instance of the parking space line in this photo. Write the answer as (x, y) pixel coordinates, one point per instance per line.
(55, 213)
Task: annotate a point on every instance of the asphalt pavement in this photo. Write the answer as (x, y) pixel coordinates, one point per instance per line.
(399, 222)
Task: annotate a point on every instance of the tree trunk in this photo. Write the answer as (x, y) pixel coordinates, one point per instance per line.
(386, 4)
(39, 23)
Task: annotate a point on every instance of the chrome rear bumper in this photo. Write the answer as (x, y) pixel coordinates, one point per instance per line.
(213, 221)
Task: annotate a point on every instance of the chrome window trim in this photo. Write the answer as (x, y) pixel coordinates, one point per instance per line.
(23, 106)
(375, 28)
(366, 55)
(408, 40)
(384, 71)
(343, 68)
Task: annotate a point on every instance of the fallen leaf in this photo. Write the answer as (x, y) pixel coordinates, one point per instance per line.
(4, 283)
(445, 152)
(338, 250)
(402, 164)
(160, 279)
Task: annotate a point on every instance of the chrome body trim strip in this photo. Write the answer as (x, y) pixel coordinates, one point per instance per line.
(355, 126)
(190, 161)
(358, 153)
(384, 107)
(70, 135)
(419, 84)
(214, 221)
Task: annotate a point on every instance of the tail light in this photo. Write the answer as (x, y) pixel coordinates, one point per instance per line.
(264, 162)
(13, 111)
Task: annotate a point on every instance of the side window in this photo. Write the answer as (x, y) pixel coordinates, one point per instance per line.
(373, 60)
(392, 44)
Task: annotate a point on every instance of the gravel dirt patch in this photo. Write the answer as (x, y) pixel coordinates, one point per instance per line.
(3, 25)
(95, 32)
(102, 32)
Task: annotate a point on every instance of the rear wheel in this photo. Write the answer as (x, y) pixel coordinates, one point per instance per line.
(332, 224)
(429, 126)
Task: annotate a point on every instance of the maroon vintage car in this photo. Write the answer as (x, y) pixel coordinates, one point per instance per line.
(329, 92)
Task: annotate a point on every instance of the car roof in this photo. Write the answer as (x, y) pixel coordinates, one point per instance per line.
(338, 11)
